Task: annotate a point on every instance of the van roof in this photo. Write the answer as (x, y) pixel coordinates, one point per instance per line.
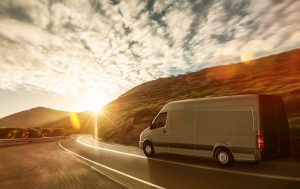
(247, 96)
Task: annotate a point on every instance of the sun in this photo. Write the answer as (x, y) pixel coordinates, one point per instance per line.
(247, 56)
(95, 102)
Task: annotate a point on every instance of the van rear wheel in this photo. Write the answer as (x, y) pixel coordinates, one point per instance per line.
(224, 157)
(148, 149)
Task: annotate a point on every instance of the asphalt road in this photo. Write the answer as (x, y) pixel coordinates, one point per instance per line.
(81, 162)
(47, 165)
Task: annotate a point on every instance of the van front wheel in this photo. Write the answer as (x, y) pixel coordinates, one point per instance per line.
(224, 157)
(148, 149)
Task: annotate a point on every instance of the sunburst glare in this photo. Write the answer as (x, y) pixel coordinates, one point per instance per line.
(94, 102)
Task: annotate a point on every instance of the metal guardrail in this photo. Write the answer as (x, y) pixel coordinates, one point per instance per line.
(17, 141)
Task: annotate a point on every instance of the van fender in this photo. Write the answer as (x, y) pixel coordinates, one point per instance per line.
(148, 140)
(221, 144)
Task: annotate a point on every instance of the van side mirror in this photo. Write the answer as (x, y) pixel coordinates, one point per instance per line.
(151, 126)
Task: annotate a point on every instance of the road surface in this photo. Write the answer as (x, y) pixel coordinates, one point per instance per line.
(46, 165)
(81, 162)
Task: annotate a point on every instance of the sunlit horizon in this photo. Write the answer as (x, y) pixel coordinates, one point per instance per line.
(94, 102)
(61, 55)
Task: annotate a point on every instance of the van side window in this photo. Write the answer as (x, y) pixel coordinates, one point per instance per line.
(160, 121)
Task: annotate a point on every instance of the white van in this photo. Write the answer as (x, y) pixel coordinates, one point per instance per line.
(241, 128)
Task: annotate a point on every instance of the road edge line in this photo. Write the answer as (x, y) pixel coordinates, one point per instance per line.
(114, 180)
(111, 169)
(114, 151)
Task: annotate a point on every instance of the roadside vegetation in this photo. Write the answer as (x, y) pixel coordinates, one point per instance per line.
(15, 133)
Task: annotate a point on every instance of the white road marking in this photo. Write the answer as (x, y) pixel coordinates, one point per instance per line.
(111, 169)
(98, 170)
(106, 149)
(114, 144)
(297, 179)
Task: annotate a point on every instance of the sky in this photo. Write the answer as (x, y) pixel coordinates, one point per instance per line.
(76, 54)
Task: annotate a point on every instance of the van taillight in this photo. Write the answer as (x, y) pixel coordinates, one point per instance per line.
(260, 143)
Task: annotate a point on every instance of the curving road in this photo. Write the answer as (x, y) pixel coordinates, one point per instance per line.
(46, 165)
(81, 162)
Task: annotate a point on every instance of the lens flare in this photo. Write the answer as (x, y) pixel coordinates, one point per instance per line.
(96, 125)
(74, 120)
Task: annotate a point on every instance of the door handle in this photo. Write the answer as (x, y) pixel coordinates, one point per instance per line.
(164, 131)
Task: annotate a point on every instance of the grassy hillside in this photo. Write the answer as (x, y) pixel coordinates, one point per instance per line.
(36, 122)
(35, 117)
(123, 119)
(49, 118)
(48, 121)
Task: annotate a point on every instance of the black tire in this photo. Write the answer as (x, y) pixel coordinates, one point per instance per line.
(224, 157)
(148, 149)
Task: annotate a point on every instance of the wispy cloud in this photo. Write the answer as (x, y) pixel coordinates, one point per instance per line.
(80, 47)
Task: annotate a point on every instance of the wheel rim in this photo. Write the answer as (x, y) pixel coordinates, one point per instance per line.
(148, 149)
(223, 157)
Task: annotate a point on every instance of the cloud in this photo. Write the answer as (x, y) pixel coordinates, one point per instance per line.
(73, 47)
(16, 11)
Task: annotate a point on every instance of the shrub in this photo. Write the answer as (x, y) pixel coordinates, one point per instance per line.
(46, 132)
(57, 132)
(34, 133)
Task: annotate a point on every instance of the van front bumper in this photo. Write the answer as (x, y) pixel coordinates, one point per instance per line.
(141, 144)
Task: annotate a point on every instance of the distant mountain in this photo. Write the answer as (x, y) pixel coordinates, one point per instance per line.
(36, 117)
(80, 122)
(123, 119)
